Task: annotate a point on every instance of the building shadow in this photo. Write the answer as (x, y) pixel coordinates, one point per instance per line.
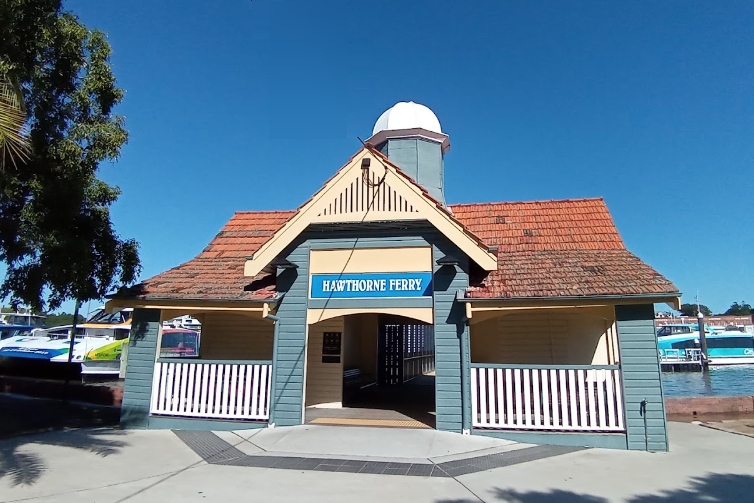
(25, 468)
(66, 424)
(713, 488)
(414, 399)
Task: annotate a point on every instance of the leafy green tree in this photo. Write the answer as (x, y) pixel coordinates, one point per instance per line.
(14, 144)
(736, 309)
(56, 236)
(690, 310)
(56, 320)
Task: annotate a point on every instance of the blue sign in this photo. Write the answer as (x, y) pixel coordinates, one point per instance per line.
(371, 285)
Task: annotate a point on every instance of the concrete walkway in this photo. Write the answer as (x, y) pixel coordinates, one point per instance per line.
(145, 466)
(368, 450)
(391, 444)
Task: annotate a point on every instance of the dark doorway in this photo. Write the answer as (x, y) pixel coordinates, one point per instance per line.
(406, 350)
(403, 391)
(388, 374)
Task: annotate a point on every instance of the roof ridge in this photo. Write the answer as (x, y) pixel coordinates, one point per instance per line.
(237, 212)
(445, 208)
(532, 201)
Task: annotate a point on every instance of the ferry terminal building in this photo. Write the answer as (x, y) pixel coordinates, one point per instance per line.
(523, 320)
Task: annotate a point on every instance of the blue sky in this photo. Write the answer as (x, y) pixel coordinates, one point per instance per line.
(242, 104)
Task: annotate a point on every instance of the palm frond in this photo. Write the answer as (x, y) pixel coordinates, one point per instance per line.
(14, 141)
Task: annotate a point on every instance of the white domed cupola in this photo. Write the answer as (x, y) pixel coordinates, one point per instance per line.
(407, 115)
(409, 134)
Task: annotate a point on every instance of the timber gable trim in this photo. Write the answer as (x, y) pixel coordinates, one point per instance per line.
(381, 193)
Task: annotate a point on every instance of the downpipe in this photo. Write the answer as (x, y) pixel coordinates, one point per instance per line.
(276, 323)
(643, 414)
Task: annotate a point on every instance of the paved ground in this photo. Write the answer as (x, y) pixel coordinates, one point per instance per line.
(108, 466)
(740, 426)
(20, 415)
(411, 405)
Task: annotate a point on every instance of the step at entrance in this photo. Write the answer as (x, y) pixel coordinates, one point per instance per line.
(354, 416)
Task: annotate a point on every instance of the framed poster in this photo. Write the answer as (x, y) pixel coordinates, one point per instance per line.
(331, 347)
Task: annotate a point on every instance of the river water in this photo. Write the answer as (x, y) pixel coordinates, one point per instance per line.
(728, 380)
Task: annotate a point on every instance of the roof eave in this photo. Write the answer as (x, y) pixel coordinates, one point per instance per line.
(655, 297)
(274, 299)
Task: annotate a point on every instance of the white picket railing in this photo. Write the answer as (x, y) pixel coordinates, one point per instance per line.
(211, 389)
(567, 398)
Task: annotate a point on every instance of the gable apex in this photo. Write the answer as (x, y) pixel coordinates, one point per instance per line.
(370, 188)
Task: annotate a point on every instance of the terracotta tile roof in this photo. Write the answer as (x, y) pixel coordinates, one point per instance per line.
(217, 272)
(426, 194)
(545, 249)
(556, 249)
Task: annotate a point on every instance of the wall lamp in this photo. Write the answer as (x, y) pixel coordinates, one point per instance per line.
(283, 263)
(448, 260)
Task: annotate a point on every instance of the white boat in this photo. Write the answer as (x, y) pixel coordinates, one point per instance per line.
(33, 320)
(681, 343)
(186, 321)
(16, 324)
(98, 343)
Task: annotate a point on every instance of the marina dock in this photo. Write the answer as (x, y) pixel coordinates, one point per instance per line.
(682, 360)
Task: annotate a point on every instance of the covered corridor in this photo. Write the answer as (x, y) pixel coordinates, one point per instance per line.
(371, 370)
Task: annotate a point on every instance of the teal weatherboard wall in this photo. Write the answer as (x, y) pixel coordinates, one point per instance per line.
(451, 341)
(642, 378)
(137, 390)
(420, 159)
(600, 440)
(450, 325)
(142, 349)
(289, 351)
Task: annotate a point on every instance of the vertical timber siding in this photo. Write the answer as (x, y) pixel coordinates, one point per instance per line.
(641, 376)
(142, 350)
(421, 159)
(233, 336)
(541, 337)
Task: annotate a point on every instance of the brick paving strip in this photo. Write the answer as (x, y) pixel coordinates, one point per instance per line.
(217, 451)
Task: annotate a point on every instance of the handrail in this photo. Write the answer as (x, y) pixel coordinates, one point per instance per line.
(417, 357)
(542, 367)
(223, 362)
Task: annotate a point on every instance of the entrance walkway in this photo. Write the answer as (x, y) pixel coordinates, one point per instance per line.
(353, 416)
(137, 466)
(410, 405)
(398, 452)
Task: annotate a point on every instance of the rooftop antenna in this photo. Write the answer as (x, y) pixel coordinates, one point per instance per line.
(704, 361)
(698, 309)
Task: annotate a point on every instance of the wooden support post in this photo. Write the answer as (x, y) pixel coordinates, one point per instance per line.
(702, 340)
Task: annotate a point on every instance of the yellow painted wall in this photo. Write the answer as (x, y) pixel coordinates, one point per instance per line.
(424, 314)
(360, 345)
(414, 259)
(324, 381)
(544, 337)
(229, 336)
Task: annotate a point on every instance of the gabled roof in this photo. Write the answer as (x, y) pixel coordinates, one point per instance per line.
(567, 248)
(389, 195)
(217, 272)
(573, 250)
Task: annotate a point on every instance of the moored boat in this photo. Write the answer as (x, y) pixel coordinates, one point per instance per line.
(681, 343)
(98, 344)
